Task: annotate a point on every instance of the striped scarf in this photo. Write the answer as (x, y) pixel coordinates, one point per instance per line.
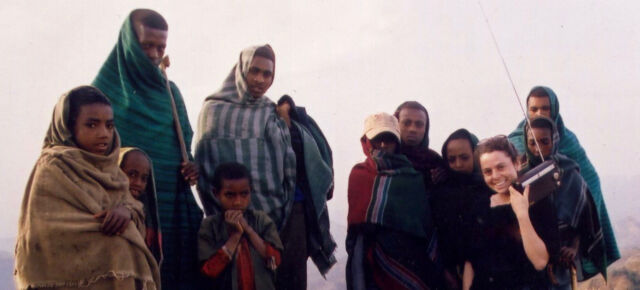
(570, 147)
(235, 126)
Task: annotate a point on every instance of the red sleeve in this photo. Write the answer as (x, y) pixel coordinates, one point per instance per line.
(272, 254)
(216, 264)
(360, 186)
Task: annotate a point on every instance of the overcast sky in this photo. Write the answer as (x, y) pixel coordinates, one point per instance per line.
(344, 60)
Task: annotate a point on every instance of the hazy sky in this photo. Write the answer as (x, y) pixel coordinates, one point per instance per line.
(344, 60)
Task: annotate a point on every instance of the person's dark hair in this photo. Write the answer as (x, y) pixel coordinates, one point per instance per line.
(229, 171)
(267, 52)
(460, 134)
(411, 105)
(286, 99)
(538, 92)
(149, 18)
(541, 123)
(131, 152)
(82, 96)
(496, 143)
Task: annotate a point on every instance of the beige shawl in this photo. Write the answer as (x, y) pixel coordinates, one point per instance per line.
(59, 241)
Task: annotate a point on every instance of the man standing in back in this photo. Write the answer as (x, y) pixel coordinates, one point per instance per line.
(288, 157)
(135, 85)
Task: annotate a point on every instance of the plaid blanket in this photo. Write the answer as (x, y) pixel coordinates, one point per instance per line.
(390, 230)
(575, 207)
(570, 147)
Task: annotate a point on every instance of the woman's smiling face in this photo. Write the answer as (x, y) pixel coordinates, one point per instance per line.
(498, 170)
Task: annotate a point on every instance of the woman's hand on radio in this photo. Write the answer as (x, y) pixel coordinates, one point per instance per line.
(519, 201)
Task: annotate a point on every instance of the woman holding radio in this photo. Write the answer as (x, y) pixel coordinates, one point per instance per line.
(511, 240)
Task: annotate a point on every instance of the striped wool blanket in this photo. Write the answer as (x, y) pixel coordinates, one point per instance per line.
(235, 126)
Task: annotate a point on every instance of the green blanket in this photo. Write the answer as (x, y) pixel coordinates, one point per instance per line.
(143, 116)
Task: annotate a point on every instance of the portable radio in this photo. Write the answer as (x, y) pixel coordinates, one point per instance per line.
(542, 180)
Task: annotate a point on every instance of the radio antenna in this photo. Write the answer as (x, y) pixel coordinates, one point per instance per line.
(513, 86)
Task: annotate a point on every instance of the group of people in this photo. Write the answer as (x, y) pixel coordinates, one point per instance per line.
(418, 220)
(109, 204)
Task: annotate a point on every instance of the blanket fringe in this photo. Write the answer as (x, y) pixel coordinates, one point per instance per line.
(148, 284)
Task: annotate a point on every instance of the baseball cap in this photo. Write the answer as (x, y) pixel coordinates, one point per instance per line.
(380, 123)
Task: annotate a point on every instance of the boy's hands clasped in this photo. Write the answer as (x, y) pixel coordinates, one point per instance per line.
(236, 222)
(238, 227)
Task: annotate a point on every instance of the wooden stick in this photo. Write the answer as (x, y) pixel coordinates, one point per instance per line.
(574, 277)
(176, 122)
